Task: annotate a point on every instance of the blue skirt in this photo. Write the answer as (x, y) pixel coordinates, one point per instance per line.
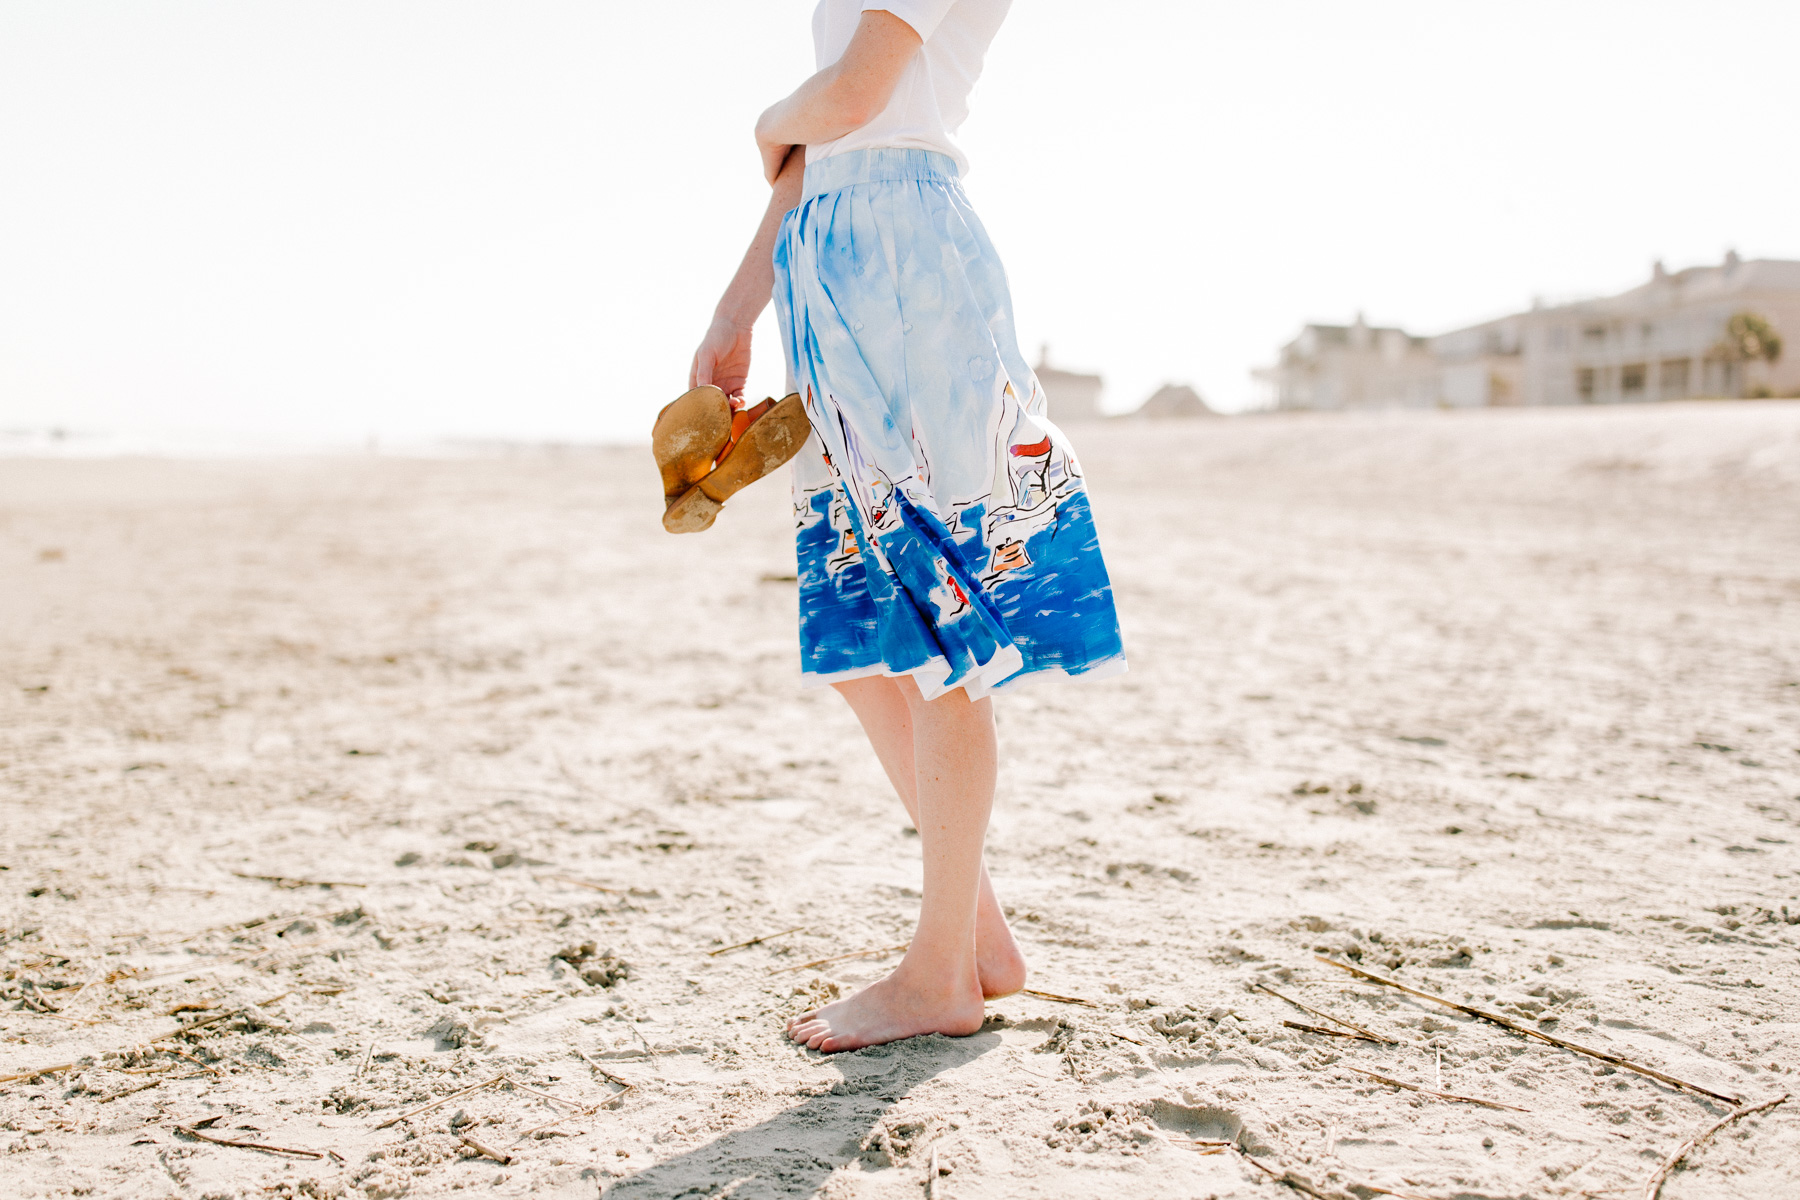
(943, 528)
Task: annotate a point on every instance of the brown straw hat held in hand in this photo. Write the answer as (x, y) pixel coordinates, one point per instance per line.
(707, 453)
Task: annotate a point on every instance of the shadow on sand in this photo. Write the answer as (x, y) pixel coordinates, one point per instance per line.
(794, 1152)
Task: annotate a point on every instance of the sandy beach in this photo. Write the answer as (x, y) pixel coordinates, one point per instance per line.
(332, 789)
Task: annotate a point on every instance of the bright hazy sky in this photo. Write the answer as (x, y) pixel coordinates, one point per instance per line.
(416, 219)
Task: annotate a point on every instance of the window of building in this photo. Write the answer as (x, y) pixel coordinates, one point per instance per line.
(1674, 377)
(1584, 383)
(1631, 378)
(1594, 333)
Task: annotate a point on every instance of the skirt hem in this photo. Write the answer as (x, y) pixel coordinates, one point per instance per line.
(931, 676)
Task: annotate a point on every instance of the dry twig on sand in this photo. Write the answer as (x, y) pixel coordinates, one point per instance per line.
(503, 1159)
(14, 1078)
(1287, 1177)
(142, 1087)
(1343, 1033)
(592, 887)
(605, 1074)
(1052, 996)
(820, 962)
(1527, 1031)
(931, 1177)
(441, 1101)
(194, 1132)
(1428, 1092)
(161, 1037)
(1365, 1034)
(1653, 1188)
(585, 1110)
(755, 941)
(290, 881)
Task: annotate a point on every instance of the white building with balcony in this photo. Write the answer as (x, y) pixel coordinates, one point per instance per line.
(1662, 340)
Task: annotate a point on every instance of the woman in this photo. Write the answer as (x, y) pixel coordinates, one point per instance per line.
(946, 549)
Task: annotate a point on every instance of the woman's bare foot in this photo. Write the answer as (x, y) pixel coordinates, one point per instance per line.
(899, 1006)
(998, 959)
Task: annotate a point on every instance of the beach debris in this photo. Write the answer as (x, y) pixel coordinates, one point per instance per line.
(1053, 997)
(1653, 1187)
(606, 969)
(1527, 1031)
(420, 1111)
(142, 1087)
(836, 958)
(293, 881)
(33, 1074)
(485, 1151)
(1303, 1027)
(151, 1041)
(755, 941)
(607, 1075)
(1356, 1031)
(1435, 1094)
(194, 1131)
(593, 887)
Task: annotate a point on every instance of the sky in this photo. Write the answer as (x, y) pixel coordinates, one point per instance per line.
(325, 222)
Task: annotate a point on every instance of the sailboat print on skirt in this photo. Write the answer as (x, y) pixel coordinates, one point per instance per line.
(943, 528)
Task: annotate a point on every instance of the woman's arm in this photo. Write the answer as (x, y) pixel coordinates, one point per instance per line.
(723, 359)
(844, 96)
(840, 98)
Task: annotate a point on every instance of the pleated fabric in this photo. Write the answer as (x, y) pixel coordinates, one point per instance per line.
(942, 527)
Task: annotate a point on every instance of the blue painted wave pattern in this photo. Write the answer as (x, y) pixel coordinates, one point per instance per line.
(943, 528)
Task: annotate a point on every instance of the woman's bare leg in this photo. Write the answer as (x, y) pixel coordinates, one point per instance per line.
(886, 717)
(936, 987)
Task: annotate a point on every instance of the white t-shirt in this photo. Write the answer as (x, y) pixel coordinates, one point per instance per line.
(932, 98)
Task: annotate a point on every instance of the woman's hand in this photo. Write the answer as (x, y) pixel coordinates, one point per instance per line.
(723, 359)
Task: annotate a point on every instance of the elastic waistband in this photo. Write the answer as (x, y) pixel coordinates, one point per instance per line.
(880, 165)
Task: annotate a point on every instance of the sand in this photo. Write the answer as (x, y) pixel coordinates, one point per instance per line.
(1505, 705)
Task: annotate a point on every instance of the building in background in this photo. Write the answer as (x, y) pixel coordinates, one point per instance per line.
(1352, 366)
(1070, 395)
(1712, 331)
(1173, 400)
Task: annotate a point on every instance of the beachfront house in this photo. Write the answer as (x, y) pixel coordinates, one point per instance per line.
(1727, 331)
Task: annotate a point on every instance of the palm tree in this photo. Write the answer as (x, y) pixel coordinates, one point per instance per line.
(1748, 338)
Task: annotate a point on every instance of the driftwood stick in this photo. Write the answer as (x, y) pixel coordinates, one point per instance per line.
(1343, 1033)
(1287, 1177)
(1428, 1092)
(1527, 1031)
(1369, 1034)
(485, 1151)
(161, 1037)
(439, 1103)
(593, 887)
(290, 881)
(1653, 1188)
(142, 1087)
(604, 1073)
(194, 1133)
(583, 1109)
(1052, 996)
(203, 1066)
(819, 962)
(538, 1129)
(931, 1188)
(364, 1064)
(755, 941)
(14, 1078)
